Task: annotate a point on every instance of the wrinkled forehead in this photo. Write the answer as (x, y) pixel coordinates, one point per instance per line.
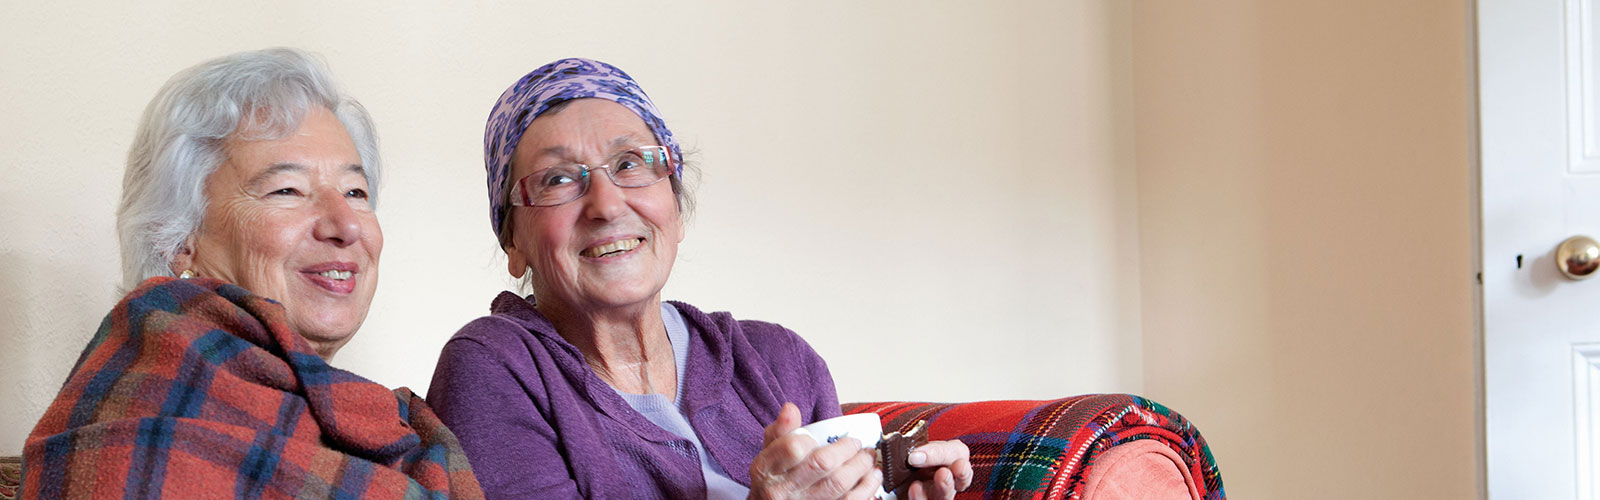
(587, 131)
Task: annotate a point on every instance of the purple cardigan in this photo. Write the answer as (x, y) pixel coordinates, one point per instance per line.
(536, 422)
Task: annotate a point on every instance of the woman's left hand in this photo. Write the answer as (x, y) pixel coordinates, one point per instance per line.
(943, 469)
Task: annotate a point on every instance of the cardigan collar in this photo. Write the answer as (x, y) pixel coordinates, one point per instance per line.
(707, 372)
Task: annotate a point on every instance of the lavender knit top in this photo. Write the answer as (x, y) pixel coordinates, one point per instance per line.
(536, 422)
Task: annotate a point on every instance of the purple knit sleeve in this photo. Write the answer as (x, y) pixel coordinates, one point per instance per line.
(481, 396)
(825, 398)
(802, 375)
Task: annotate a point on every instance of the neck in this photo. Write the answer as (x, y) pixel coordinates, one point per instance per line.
(625, 346)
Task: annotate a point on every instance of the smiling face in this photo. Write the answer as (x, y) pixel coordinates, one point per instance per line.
(290, 219)
(611, 248)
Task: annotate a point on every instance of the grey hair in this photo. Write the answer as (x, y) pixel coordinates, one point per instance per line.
(181, 140)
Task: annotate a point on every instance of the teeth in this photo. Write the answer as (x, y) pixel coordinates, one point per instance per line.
(613, 247)
(338, 275)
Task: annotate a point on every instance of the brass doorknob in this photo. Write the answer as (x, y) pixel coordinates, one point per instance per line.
(1578, 257)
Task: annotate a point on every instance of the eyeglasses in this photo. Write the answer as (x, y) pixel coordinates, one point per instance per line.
(563, 183)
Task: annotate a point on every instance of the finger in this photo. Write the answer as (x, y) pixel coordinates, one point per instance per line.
(867, 489)
(915, 491)
(826, 462)
(961, 471)
(780, 449)
(835, 481)
(788, 420)
(937, 453)
(960, 474)
(943, 485)
(785, 453)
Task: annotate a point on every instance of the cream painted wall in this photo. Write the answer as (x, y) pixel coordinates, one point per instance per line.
(1305, 176)
(938, 195)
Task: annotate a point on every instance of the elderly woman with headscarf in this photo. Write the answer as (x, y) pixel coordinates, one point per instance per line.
(592, 387)
(253, 180)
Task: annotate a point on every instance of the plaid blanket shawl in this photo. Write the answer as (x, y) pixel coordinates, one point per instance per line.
(1045, 449)
(199, 389)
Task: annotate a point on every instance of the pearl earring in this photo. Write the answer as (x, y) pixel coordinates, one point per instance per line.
(186, 274)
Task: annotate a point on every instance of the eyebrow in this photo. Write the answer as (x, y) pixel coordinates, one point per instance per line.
(617, 143)
(278, 168)
(623, 140)
(275, 169)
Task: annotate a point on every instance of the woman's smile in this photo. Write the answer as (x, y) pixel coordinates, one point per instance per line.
(336, 277)
(615, 248)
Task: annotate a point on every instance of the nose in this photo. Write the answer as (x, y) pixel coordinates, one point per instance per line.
(337, 223)
(605, 200)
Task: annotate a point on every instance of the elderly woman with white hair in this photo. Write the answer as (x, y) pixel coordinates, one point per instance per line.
(250, 245)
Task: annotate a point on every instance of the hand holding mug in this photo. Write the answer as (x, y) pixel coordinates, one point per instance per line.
(795, 465)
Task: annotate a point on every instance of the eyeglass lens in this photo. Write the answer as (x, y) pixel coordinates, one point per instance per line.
(563, 183)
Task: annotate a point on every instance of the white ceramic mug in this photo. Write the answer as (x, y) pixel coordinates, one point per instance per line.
(864, 427)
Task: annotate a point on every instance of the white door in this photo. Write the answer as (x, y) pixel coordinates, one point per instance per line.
(1539, 111)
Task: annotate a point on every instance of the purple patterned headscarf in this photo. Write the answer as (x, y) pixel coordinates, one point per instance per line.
(551, 84)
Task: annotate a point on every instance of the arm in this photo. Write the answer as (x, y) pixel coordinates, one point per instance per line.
(513, 449)
(801, 375)
(825, 398)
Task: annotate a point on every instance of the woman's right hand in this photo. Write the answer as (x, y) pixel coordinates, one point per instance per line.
(792, 466)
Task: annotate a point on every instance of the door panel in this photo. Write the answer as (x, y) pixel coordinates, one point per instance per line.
(1539, 112)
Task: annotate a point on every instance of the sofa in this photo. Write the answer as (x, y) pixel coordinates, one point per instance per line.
(10, 477)
(1090, 447)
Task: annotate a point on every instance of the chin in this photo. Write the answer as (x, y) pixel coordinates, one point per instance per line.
(335, 329)
(630, 295)
(328, 319)
(327, 337)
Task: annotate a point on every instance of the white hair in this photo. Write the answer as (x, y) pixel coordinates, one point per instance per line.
(181, 138)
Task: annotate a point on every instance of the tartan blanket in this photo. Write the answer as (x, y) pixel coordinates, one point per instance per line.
(1045, 449)
(199, 389)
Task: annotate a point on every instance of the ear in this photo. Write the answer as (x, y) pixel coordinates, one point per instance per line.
(515, 264)
(682, 229)
(184, 260)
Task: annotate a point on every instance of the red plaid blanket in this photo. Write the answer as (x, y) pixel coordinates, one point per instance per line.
(198, 389)
(1045, 449)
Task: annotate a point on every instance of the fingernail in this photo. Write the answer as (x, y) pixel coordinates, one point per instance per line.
(916, 458)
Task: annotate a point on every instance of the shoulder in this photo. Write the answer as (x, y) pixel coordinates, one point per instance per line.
(773, 338)
(511, 321)
(490, 330)
(491, 357)
(504, 347)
